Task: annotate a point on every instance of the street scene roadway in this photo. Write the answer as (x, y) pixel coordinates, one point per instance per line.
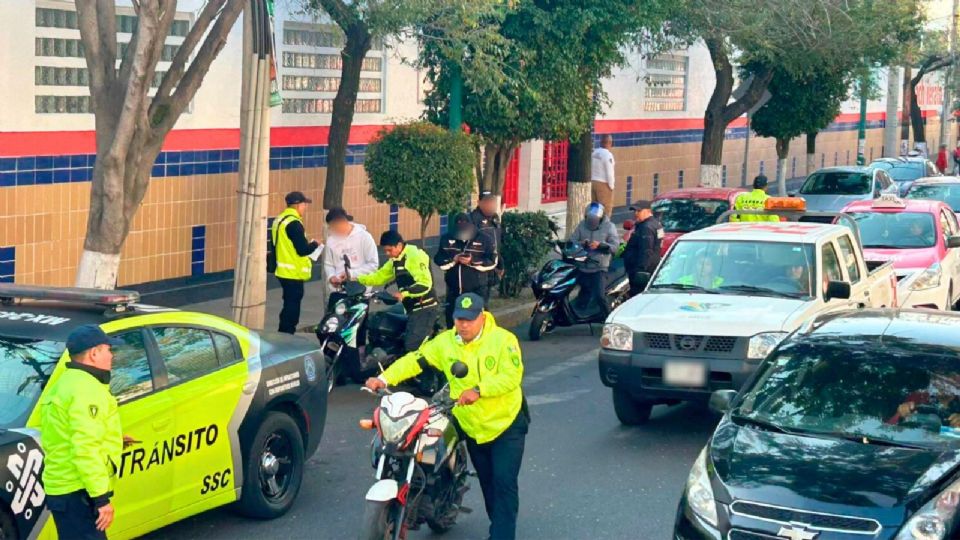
(584, 475)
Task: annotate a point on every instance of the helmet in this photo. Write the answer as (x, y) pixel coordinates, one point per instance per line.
(594, 209)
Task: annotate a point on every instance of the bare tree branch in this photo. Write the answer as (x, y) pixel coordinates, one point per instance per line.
(179, 63)
(107, 35)
(339, 11)
(88, 23)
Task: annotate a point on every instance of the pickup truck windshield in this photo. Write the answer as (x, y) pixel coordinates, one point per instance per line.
(837, 183)
(25, 366)
(948, 193)
(900, 230)
(738, 267)
(685, 215)
(885, 396)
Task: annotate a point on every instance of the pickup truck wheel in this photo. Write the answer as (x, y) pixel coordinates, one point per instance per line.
(630, 411)
(274, 469)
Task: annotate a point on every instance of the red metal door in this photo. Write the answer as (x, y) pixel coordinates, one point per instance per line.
(553, 186)
(511, 184)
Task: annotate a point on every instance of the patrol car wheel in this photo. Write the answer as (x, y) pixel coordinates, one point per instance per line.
(630, 411)
(274, 469)
(8, 531)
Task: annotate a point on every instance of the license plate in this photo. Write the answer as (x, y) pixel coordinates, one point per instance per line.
(684, 374)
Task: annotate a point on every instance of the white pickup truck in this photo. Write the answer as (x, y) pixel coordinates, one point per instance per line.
(721, 300)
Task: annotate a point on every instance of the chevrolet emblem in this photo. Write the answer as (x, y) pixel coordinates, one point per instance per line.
(797, 531)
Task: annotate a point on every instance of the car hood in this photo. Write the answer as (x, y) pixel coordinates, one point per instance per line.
(831, 203)
(827, 475)
(723, 315)
(903, 259)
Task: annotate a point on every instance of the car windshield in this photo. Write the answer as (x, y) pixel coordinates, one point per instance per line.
(948, 193)
(777, 269)
(837, 183)
(893, 395)
(901, 171)
(685, 215)
(25, 366)
(896, 230)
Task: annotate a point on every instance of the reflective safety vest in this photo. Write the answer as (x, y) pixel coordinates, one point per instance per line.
(690, 279)
(290, 265)
(754, 200)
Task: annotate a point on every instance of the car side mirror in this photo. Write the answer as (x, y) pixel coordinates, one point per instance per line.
(642, 279)
(792, 194)
(953, 241)
(837, 289)
(459, 369)
(720, 400)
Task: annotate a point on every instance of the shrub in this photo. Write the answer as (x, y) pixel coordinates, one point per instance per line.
(527, 241)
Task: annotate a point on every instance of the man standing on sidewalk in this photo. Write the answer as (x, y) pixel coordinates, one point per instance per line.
(467, 258)
(602, 174)
(81, 438)
(487, 221)
(294, 266)
(642, 253)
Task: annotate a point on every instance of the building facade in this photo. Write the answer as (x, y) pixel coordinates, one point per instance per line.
(186, 226)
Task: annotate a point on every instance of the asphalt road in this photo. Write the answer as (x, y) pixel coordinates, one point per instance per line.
(584, 475)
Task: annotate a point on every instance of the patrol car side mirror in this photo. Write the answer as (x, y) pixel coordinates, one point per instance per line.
(641, 279)
(837, 289)
(459, 369)
(953, 241)
(721, 400)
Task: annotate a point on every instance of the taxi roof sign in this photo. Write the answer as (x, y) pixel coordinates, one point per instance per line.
(793, 204)
(116, 300)
(889, 200)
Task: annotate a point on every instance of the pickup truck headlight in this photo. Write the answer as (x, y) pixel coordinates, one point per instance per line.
(927, 279)
(617, 337)
(761, 345)
(934, 520)
(699, 492)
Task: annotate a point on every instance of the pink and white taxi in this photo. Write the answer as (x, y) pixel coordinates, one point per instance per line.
(921, 238)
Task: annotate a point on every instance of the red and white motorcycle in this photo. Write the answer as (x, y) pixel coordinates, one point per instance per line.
(421, 464)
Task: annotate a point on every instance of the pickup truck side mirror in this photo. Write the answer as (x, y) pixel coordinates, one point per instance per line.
(953, 241)
(641, 279)
(721, 400)
(837, 289)
(792, 194)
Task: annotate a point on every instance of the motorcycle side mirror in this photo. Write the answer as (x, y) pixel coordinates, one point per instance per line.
(459, 369)
(353, 288)
(346, 261)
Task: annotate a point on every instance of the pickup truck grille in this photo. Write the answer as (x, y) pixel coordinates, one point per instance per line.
(740, 534)
(690, 343)
(814, 520)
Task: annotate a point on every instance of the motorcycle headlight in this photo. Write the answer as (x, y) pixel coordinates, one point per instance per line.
(617, 337)
(761, 345)
(331, 325)
(340, 308)
(393, 430)
(927, 279)
(699, 491)
(934, 519)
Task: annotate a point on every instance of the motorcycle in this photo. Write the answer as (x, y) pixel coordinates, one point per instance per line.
(421, 464)
(553, 287)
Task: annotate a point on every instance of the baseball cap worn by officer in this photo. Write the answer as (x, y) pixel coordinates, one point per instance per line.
(83, 338)
(468, 306)
(296, 197)
(760, 182)
(640, 205)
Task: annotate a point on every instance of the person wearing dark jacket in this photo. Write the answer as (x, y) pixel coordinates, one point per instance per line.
(487, 221)
(467, 258)
(294, 267)
(642, 253)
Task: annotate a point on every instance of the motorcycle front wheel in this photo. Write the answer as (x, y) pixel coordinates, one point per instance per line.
(379, 521)
(539, 324)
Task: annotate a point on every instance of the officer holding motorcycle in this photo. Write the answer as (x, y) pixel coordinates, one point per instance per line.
(467, 258)
(491, 410)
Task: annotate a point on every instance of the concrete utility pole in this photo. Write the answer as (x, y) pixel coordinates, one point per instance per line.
(890, 147)
(862, 127)
(948, 77)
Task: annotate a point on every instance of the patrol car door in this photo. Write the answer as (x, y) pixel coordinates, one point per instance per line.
(142, 491)
(205, 390)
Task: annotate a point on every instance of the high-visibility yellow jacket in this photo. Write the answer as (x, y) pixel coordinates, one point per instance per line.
(753, 200)
(411, 271)
(495, 367)
(290, 264)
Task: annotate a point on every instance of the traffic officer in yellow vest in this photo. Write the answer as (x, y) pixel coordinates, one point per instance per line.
(294, 267)
(491, 410)
(81, 438)
(753, 200)
(409, 266)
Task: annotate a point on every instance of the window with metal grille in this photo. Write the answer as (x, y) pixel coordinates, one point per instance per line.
(656, 184)
(723, 176)
(325, 106)
(680, 179)
(326, 61)
(327, 84)
(511, 183)
(553, 185)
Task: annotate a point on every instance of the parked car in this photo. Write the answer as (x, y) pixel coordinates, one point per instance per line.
(938, 188)
(830, 189)
(844, 432)
(905, 170)
(920, 237)
(686, 210)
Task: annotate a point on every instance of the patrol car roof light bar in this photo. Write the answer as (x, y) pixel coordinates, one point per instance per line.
(794, 212)
(114, 301)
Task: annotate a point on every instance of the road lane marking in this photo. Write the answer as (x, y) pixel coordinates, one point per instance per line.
(544, 399)
(558, 368)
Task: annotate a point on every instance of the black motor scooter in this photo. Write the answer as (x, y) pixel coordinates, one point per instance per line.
(553, 287)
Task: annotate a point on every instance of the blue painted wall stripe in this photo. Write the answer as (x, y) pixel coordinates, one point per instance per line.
(8, 264)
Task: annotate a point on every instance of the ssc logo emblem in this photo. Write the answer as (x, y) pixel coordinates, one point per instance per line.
(309, 368)
(466, 302)
(490, 362)
(25, 486)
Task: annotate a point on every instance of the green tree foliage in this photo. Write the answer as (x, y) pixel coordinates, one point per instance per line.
(422, 167)
(527, 240)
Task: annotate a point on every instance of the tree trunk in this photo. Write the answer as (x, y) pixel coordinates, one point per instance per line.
(711, 149)
(811, 153)
(578, 179)
(890, 125)
(783, 151)
(497, 158)
(424, 222)
(358, 42)
(916, 115)
(905, 116)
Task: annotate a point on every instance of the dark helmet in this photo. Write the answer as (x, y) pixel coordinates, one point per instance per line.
(760, 182)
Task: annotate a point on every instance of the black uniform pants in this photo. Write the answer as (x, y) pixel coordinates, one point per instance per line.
(498, 465)
(591, 289)
(74, 516)
(420, 325)
(292, 297)
(452, 295)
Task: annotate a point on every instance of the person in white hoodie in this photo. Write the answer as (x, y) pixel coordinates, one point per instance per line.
(351, 239)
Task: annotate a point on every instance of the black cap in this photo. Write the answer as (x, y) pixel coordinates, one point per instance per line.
(83, 338)
(760, 182)
(641, 205)
(390, 238)
(296, 197)
(461, 218)
(487, 195)
(468, 306)
(337, 213)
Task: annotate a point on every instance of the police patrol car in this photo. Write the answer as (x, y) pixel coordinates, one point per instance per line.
(220, 414)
